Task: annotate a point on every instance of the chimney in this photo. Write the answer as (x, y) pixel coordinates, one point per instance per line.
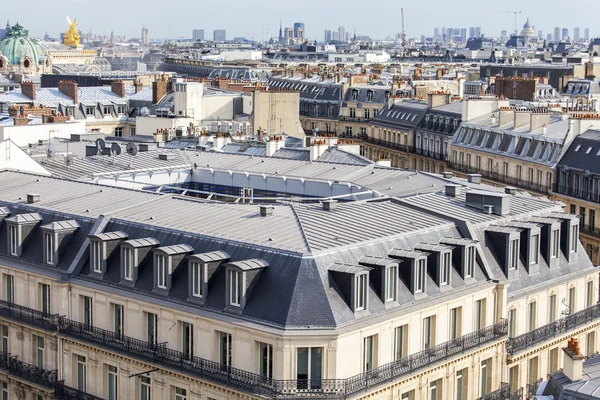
(329, 205)
(573, 361)
(317, 148)
(33, 198)
(28, 89)
(265, 211)
(540, 118)
(438, 98)
(159, 90)
(522, 118)
(589, 70)
(69, 88)
(118, 88)
(452, 190)
(138, 86)
(275, 143)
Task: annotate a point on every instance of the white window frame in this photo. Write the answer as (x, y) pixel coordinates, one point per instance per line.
(197, 282)
(265, 366)
(187, 338)
(180, 393)
(225, 343)
(534, 249)
(161, 261)
(400, 342)
(151, 324)
(470, 255)
(112, 376)
(360, 292)
(235, 290)
(97, 250)
(420, 275)
(13, 242)
(128, 257)
(513, 261)
(49, 247)
(445, 269)
(574, 238)
(118, 319)
(145, 388)
(369, 350)
(81, 373)
(87, 316)
(39, 351)
(44, 298)
(391, 283)
(555, 245)
(9, 288)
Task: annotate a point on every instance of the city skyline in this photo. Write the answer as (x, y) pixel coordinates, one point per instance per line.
(418, 21)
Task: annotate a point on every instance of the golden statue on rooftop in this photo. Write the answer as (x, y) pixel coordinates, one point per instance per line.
(71, 37)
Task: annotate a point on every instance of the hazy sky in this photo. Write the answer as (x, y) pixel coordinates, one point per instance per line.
(376, 18)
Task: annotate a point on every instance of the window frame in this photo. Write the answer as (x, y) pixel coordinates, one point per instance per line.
(360, 292)
(162, 268)
(49, 248)
(235, 287)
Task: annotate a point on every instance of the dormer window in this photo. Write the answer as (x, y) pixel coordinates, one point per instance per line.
(49, 248)
(445, 269)
(470, 261)
(391, 280)
(133, 254)
(20, 229)
(464, 255)
(574, 238)
(555, 243)
(415, 273)
(514, 254)
(97, 256)
(13, 240)
(102, 246)
(549, 237)
(161, 270)
(201, 268)
(505, 242)
(167, 260)
(534, 250)
(361, 292)
(127, 257)
(242, 278)
(384, 276)
(235, 290)
(197, 280)
(370, 95)
(420, 276)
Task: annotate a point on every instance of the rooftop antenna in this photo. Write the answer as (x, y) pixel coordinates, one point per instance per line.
(100, 146)
(115, 150)
(132, 150)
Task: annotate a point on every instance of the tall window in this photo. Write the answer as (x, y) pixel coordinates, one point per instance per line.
(534, 250)
(555, 243)
(592, 222)
(400, 342)
(455, 322)
(39, 351)
(460, 385)
(480, 314)
(196, 279)
(514, 255)
(5, 340)
(552, 309)
(145, 388)
(420, 276)
(97, 256)
(265, 359)
(187, 338)
(445, 269)
(13, 240)
(161, 271)
(427, 333)
(118, 319)
(553, 360)
(127, 263)
(591, 344)
(532, 375)
(9, 289)
(234, 288)
(88, 317)
(433, 390)
(391, 283)
(81, 373)
(45, 298)
(367, 113)
(369, 353)
(49, 247)
(574, 238)
(225, 349)
(532, 315)
(512, 323)
(360, 302)
(180, 394)
(309, 367)
(589, 298)
(485, 381)
(4, 391)
(151, 328)
(572, 300)
(470, 262)
(112, 382)
(352, 113)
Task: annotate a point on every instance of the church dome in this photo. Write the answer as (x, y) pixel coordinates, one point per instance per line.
(527, 25)
(17, 46)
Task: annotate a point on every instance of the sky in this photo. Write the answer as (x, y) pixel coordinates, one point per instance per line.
(252, 18)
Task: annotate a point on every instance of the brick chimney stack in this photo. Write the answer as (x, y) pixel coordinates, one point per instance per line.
(159, 89)
(118, 88)
(138, 86)
(69, 88)
(28, 89)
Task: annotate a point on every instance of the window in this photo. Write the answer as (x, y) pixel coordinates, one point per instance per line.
(519, 172)
(532, 375)
(370, 95)
(555, 243)
(49, 247)
(161, 271)
(352, 113)
(187, 338)
(369, 353)
(461, 386)
(445, 269)
(480, 314)
(329, 111)
(9, 292)
(470, 262)
(119, 132)
(234, 288)
(145, 388)
(151, 328)
(591, 344)
(89, 111)
(45, 298)
(532, 315)
(121, 109)
(309, 368)
(391, 283)
(400, 342)
(534, 249)
(225, 349)
(97, 256)
(553, 361)
(4, 391)
(107, 110)
(572, 300)
(420, 276)
(265, 359)
(5, 340)
(111, 386)
(552, 308)
(589, 298)
(592, 222)
(127, 254)
(180, 394)
(354, 94)
(196, 279)
(349, 130)
(574, 238)
(433, 390)
(81, 373)
(367, 113)
(363, 131)
(132, 131)
(38, 342)
(427, 333)
(512, 323)
(455, 322)
(514, 255)
(485, 381)
(87, 310)
(118, 319)
(360, 301)
(13, 234)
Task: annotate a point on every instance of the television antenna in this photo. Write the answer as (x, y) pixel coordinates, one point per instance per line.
(115, 150)
(100, 146)
(132, 150)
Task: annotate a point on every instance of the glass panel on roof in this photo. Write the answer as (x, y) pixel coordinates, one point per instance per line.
(577, 148)
(589, 150)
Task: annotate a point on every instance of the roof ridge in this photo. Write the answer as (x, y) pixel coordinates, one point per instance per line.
(301, 227)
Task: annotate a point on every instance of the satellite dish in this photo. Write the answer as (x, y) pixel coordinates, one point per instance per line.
(100, 144)
(131, 149)
(115, 149)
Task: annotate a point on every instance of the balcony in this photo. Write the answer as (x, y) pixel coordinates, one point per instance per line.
(390, 145)
(579, 193)
(554, 329)
(587, 229)
(504, 393)
(159, 354)
(432, 154)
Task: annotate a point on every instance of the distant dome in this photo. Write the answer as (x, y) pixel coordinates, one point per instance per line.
(527, 25)
(18, 46)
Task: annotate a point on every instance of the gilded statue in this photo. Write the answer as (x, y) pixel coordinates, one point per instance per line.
(71, 37)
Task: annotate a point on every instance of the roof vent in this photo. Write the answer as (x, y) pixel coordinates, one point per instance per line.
(488, 209)
(266, 210)
(33, 198)
(474, 178)
(448, 175)
(329, 205)
(166, 156)
(453, 190)
(510, 190)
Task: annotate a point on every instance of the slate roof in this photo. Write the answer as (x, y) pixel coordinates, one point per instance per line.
(583, 154)
(310, 88)
(403, 115)
(587, 388)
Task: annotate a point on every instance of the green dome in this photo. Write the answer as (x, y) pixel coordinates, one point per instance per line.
(17, 44)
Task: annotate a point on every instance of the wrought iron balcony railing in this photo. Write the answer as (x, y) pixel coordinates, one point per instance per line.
(553, 329)
(390, 145)
(159, 354)
(532, 388)
(504, 393)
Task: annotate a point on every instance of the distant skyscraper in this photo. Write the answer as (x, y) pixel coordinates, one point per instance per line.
(198, 34)
(219, 35)
(549, 37)
(504, 34)
(576, 34)
(444, 33)
(586, 33)
(540, 34)
(463, 34)
(145, 36)
(335, 36)
(348, 37)
(477, 31)
(565, 33)
(450, 34)
(436, 33)
(341, 33)
(299, 31)
(472, 32)
(557, 36)
(328, 37)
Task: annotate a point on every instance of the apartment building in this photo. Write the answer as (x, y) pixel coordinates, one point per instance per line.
(114, 293)
(360, 106)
